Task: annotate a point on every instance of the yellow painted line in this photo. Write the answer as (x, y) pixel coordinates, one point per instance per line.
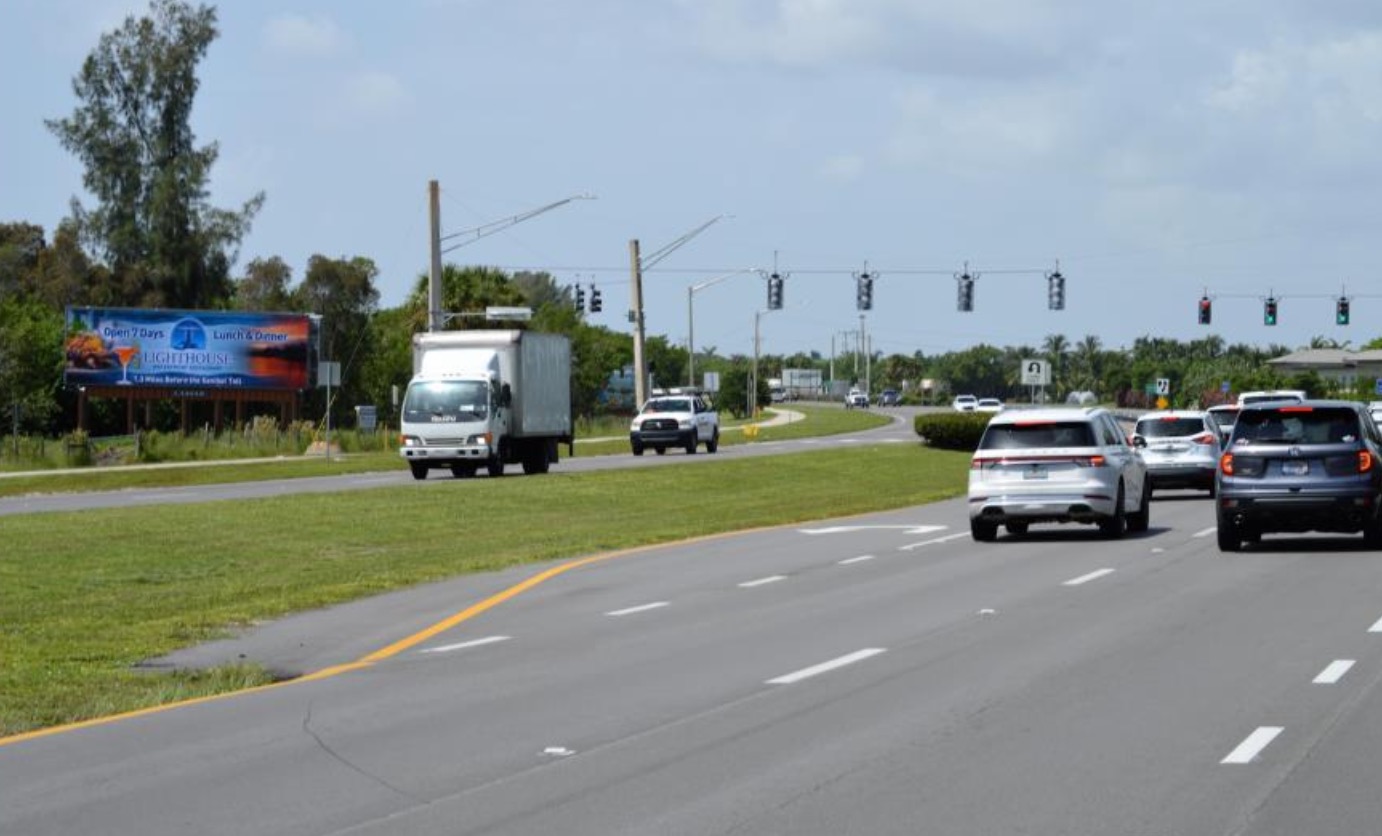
(384, 653)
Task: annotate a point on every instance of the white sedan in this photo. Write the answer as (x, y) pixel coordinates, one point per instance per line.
(965, 403)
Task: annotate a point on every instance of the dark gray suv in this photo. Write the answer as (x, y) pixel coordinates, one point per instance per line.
(1292, 467)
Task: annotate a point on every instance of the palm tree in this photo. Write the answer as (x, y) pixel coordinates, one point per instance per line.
(1057, 347)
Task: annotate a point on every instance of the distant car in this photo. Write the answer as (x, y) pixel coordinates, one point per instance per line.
(1081, 398)
(965, 403)
(1224, 415)
(857, 398)
(1056, 465)
(1268, 395)
(989, 405)
(1181, 448)
(889, 398)
(1296, 467)
(1375, 410)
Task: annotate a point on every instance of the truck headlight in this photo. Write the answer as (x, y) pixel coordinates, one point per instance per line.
(410, 441)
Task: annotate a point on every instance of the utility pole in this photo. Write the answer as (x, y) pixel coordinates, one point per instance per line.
(435, 319)
(640, 393)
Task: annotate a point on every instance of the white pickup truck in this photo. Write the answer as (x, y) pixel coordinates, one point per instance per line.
(684, 421)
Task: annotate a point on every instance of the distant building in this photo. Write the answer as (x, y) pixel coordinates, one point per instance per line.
(1339, 366)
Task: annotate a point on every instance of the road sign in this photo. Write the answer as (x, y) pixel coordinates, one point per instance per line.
(1377, 386)
(328, 373)
(1163, 385)
(1162, 403)
(1224, 387)
(1036, 373)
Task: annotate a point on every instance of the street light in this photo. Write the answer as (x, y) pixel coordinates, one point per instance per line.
(691, 318)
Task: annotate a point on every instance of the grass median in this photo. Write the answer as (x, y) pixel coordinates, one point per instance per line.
(86, 596)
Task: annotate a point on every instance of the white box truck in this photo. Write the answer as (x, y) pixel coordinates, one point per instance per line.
(486, 399)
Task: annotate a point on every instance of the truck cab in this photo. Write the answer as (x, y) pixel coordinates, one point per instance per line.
(453, 421)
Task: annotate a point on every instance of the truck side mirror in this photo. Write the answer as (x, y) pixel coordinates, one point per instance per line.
(505, 395)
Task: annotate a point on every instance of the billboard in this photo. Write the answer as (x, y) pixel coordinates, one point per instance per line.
(205, 349)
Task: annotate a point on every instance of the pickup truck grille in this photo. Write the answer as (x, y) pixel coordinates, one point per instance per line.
(660, 424)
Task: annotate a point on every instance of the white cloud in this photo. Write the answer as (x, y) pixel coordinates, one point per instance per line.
(297, 34)
(374, 92)
(843, 168)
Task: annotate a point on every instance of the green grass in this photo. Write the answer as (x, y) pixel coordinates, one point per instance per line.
(86, 596)
(819, 421)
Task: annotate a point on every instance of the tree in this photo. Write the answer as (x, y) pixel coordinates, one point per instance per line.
(342, 292)
(152, 224)
(265, 286)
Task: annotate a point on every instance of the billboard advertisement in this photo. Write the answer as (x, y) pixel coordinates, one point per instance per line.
(204, 349)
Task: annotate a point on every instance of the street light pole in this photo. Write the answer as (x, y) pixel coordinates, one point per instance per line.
(639, 264)
(691, 318)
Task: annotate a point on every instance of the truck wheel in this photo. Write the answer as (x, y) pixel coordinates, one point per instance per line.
(535, 462)
(638, 449)
(714, 443)
(495, 466)
(660, 449)
(691, 444)
(463, 471)
(419, 470)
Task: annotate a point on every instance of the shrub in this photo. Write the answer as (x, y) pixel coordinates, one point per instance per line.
(951, 430)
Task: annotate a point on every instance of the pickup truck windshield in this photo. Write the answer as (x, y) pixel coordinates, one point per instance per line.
(446, 401)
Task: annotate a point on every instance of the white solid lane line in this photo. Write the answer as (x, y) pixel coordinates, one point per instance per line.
(1335, 672)
(447, 648)
(640, 608)
(1253, 745)
(860, 559)
(1092, 576)
(825, 667)
(1206, 532)
(762, 581)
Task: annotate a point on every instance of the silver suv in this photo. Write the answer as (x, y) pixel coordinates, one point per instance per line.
(1180, 447)
(1056, 465)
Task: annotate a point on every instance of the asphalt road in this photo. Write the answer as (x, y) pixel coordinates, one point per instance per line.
(899, 431)
(874, 675)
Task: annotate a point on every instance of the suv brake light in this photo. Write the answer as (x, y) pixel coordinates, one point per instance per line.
(1226, 464)
(1365, 461)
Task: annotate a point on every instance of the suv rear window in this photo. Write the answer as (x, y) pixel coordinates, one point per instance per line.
(1297, 425)
(1026, 436)
(1169, 427)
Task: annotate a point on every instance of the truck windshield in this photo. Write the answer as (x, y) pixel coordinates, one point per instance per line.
(446, 400)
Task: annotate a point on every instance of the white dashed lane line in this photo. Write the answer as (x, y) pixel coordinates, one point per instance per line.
(762, 581)
(1084, 579)
(946, 539)
(860, 559)
(826, 667)
(1206, 532)
(1334, 672)
(1376, 627)
(447, 648)
(1250, 748)
(640, 608)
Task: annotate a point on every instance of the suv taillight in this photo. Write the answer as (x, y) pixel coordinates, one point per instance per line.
(1365, 461)
(1226, 464)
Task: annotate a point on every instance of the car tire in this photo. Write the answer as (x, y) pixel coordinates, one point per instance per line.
(638, 449)
(660, 450)
(1116, 524)
(1017, 529)
(1141, 519)
(983, 532)
(1372, 534)
(691, 444)
(714, 443)
(1230, 538)
(419, 470)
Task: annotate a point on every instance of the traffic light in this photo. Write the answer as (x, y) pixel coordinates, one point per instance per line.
(775, 292)
(864, 292)
(596, 304)
(1269, 311)
(580, 298)
(1341, 311)
(965, 288)
(1206, 310)
(1055, 291)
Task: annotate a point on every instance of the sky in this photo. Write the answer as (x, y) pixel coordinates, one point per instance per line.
(1155, 152)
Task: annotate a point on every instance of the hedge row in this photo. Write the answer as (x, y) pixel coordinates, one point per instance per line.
(952, 430)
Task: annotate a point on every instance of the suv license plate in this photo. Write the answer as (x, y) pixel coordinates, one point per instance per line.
(1295, 468)
(1034, 472)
